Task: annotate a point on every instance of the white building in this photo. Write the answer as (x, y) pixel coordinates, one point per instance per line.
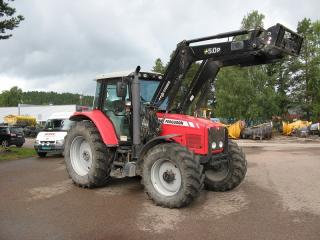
(40, 112)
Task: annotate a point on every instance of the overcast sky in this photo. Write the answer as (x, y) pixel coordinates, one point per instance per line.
(62, 45)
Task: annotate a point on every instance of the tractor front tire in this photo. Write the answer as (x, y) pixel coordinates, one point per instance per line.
(171, 175)
(88, 160)
(229, 174)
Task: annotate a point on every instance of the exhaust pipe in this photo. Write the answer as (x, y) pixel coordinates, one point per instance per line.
(136, 118)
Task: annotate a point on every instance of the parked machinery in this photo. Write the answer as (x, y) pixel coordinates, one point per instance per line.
(260, 132)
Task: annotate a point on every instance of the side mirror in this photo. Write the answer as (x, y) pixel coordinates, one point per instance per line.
(121, 89)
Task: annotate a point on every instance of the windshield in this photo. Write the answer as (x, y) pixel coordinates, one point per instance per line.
(58, 124)
(147, 90)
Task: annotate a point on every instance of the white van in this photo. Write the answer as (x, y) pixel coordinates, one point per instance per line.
(51, 138)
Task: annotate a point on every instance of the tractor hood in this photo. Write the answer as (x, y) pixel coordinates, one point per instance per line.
(194, 133)
(186, 121)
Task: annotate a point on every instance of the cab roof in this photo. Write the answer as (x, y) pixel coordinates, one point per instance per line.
(142, 75)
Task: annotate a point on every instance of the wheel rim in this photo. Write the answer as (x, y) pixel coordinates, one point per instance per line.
(166, 177)
(218, 173)
(81, 156)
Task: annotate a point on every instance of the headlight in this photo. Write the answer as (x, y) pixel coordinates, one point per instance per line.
(213, 145)
(220, 144)
(59, 142)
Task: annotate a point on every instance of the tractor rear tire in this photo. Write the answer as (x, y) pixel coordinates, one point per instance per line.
(227, 175)
(171, 175)
(88, 160)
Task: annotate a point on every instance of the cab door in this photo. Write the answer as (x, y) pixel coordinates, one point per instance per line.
(114, 107)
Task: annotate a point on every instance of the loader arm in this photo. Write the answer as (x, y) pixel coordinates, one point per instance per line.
(261, 47)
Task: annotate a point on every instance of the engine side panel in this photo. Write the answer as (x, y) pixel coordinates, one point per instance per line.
(103, 124)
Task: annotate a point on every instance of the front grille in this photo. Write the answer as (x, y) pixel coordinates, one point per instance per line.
(216, 135)
(47, 142)
(193, 141)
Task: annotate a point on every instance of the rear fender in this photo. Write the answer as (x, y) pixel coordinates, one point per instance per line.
(103, 124)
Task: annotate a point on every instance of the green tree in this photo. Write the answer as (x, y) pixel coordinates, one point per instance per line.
(8, 20)
(305, 82)
(158, 66)
(252, 20)
(11, 97)
(234, 93)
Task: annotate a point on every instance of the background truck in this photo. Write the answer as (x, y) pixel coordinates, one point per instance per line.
(51, 138)
(139, 127)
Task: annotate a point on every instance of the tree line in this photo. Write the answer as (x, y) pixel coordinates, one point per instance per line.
(262, 92)
(16, 96)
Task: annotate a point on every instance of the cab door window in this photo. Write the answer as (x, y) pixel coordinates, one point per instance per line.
(112, 101)
(114, 108)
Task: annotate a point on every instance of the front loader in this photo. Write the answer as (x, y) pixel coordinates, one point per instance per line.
(136, 126)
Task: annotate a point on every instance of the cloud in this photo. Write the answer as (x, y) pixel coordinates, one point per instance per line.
(62, 45)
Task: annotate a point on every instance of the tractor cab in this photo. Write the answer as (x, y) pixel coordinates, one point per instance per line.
(114, 98)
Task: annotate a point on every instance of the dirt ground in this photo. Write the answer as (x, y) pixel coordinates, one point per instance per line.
(279, 199)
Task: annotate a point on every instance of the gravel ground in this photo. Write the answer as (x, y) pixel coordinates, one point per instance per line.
(279, 199)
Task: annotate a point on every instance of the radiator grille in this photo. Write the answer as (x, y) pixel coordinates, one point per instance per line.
(216, 135)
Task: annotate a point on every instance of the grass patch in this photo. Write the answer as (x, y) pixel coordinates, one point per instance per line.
(16, 153)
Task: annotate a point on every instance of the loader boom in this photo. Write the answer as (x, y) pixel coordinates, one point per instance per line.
(261, 47)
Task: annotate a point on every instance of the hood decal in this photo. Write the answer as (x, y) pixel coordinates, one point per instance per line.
(178, 122)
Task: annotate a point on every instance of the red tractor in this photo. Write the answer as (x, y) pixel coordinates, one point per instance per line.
(138, 126)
